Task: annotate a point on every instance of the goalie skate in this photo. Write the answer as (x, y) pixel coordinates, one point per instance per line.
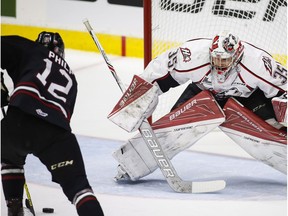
(122, 175)
(15, 207)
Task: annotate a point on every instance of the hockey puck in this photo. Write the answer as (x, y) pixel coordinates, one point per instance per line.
(48, 210)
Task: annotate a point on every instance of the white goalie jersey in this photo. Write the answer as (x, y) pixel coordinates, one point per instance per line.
(191, 61)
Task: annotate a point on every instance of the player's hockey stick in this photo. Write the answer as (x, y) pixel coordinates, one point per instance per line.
(28, 200)
(165, 165)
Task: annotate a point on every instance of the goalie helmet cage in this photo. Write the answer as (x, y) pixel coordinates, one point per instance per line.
(169, 23)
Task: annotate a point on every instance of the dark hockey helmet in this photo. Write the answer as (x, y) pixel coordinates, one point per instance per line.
(52, 41)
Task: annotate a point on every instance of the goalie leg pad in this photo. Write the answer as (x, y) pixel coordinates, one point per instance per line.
(132, 160)
(258, 138)
(136, 159)
(176, 132)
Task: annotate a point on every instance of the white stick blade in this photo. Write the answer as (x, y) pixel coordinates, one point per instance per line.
(209, 186)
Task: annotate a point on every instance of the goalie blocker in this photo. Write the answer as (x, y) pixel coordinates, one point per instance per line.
(137, 103)
(181, 128)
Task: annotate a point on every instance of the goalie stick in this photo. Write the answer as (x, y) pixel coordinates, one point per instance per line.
(28, 200)
(147, 133)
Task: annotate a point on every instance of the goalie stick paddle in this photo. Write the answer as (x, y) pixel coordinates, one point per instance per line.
(148, 135)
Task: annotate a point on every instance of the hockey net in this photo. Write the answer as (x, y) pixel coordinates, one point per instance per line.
(168, 23)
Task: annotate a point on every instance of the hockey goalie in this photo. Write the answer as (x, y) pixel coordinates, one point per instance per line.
(234, 86)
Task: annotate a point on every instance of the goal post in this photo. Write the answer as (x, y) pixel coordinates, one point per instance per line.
(169, 23)
(147, 32)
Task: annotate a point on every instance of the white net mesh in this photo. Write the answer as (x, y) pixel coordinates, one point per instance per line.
(260, 22)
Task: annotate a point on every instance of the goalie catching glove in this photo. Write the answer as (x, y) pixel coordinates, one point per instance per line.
(137, 103)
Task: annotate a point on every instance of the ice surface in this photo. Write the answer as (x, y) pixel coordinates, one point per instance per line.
(252, 187)
(246, 179)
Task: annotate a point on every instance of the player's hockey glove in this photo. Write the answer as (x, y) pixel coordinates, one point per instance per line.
(4, 93)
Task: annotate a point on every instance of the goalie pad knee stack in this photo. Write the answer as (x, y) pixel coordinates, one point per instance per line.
(176, 131)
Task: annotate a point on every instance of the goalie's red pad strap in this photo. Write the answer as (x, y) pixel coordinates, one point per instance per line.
(280, 109)
(243, 120)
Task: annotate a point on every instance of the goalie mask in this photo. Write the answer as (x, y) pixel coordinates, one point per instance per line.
(225, 52)
(52, 41)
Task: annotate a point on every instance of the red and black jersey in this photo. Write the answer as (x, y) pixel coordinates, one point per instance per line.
(44, 84)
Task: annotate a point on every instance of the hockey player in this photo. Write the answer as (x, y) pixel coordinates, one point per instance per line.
(245, 81)
(38, 121)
